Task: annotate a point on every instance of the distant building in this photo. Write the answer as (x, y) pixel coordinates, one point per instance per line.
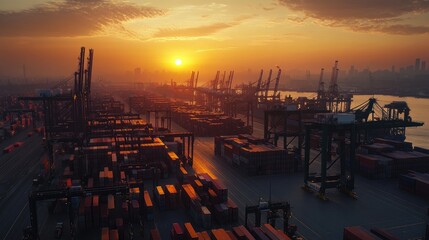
(352, 70)
(393, 68)
(137, 74)
(417, 65)
(423, 65)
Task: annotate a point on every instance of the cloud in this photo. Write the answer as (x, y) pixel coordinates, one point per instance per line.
(386, 16)
(268, 8)
(71, 18)
(214, 49)
(297, 19)
(362, 9)
(199, 31)
(388, 26)
(400, 29)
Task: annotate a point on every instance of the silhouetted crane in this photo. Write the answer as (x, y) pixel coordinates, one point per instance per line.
(321, 88)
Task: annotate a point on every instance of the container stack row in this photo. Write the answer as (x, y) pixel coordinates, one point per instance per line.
(254, 156)
(414, 182)
(206, 199)
(197, 119)
(387, 158)
(360, 233)
(206, 123)
(265, 232)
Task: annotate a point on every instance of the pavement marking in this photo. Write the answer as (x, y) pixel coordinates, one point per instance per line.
(14, 222)
(305, 225)
(406, 225)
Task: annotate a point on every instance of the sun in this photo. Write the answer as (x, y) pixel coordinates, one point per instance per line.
(178, 62)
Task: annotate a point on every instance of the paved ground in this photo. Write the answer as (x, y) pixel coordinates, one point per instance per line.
(17, 169)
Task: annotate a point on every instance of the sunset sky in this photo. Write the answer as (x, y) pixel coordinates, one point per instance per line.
(210, 35)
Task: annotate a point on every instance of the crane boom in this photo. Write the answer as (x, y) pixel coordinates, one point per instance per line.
(88, 79)
(196, 79)
(321, 88)
(230, 80)
(258, 87)
(267, 87)
(216, 80)
(333, 85)
(191, 80)
(222, 82)
(277, 82)
(81, 70)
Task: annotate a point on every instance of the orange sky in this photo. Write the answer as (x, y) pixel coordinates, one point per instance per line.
(209, 36)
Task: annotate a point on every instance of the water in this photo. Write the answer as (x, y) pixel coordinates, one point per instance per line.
(418, 136)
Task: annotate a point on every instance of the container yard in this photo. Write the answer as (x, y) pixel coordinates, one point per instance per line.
(254, 156)
(197, 119)
(94, 163)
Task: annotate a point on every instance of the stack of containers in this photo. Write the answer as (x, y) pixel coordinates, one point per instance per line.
(160, 197)
(172, 196)
(272, 233)
(190, 232)
(206, 217)
(415, 182)
(177, 232)
(96, 210)
(383, 234)
(155, 234)
(254, 156)
(220, 234)
(105, 177)
(242, 233)
(148, 206)
(196, 119)
(204, 236)
(214, 195)
(357, 233)
(191, 201)
(134, 206)
(374, 166)
(404, 161)
(387, 158)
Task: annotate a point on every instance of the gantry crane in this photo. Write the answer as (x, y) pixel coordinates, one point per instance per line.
(321, 88)
(276, 86)
(65, 115)
(267, 85)
(346, 137)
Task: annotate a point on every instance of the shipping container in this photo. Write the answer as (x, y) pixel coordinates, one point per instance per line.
(273, 233)
(105, 234)
(154, 234)
(172, 197)
(114, 234)
(383, 234)
(190, 232)
(259, 234)
(357, 233)
(148, 206)
(204, 236)
(177, 232)
(220, 234)
(242, 233)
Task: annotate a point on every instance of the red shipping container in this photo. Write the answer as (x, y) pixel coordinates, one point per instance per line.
(357, 233)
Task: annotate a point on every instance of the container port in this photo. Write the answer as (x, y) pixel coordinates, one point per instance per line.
(93, 163)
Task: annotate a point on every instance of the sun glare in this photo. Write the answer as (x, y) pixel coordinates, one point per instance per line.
(178, 62)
